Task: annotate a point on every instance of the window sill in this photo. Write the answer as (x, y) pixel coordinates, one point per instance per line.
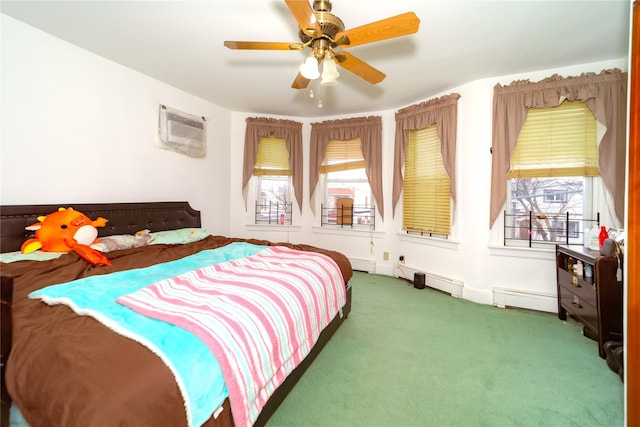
(347, 231)
(523, 252)
(429, 241)
(273, 227)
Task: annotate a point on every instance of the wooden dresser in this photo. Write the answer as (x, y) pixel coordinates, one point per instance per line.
(594, 301)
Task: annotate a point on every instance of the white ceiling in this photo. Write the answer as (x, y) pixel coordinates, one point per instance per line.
(181, 43)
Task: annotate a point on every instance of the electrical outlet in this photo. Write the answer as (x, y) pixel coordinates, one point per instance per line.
(385, 256)
(401, 259)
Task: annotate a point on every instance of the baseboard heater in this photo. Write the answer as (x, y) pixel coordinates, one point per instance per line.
(361, 264)
(542, 301)
(445, 284)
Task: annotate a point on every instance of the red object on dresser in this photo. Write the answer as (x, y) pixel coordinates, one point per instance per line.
(602, 237)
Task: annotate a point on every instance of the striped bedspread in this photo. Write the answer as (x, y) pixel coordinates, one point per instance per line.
(196, 370)
(259, 315)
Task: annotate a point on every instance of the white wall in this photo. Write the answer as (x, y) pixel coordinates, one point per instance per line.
(79, 128)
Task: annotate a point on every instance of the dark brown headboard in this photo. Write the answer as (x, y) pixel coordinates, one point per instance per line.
(124, 218)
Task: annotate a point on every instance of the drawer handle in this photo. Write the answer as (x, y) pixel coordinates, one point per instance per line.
(576, 304)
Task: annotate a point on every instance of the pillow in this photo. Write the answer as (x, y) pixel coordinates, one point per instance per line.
(123, 241)
(33, 256)
(179, 236)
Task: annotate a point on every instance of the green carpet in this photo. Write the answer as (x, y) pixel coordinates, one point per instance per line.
(408, 357)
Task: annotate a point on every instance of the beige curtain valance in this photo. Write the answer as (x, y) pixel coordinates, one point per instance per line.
(606, 96)
(288, 130)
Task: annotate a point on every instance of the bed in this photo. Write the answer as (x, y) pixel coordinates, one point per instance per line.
(71, 369)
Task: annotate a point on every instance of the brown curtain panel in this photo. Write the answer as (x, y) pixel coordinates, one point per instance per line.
(288, 130)
(443, 112)
(369, 130)
(606, 96)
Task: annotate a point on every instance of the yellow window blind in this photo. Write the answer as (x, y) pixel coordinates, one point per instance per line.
(342, 156)
(426, 198)
(558, 141)
(272, 158)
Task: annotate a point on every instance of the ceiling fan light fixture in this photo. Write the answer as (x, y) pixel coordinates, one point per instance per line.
(329, 72)
(309, 69)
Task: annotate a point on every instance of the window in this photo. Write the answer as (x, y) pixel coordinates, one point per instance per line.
(550, 180)
(273, 182)
(347, 197)
(559, 195)
(426, 200)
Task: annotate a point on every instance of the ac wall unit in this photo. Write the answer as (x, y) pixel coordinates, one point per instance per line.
(181, 132)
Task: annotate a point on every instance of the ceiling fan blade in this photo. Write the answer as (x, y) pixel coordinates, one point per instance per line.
(302, 11)
(263, 45)
(360, 68)
(396, 26)
(300, 82)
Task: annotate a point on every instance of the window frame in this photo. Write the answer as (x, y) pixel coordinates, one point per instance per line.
(285, 208)
(585, 134)
(366, 221)
(264, 163)
(590, 216)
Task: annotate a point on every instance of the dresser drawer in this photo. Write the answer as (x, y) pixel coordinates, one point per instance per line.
(580, 308)
(584, 290)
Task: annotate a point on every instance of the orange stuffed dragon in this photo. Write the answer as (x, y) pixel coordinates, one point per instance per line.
(64, 231)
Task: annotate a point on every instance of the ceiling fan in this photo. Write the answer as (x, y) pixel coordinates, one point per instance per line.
(324, 33)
